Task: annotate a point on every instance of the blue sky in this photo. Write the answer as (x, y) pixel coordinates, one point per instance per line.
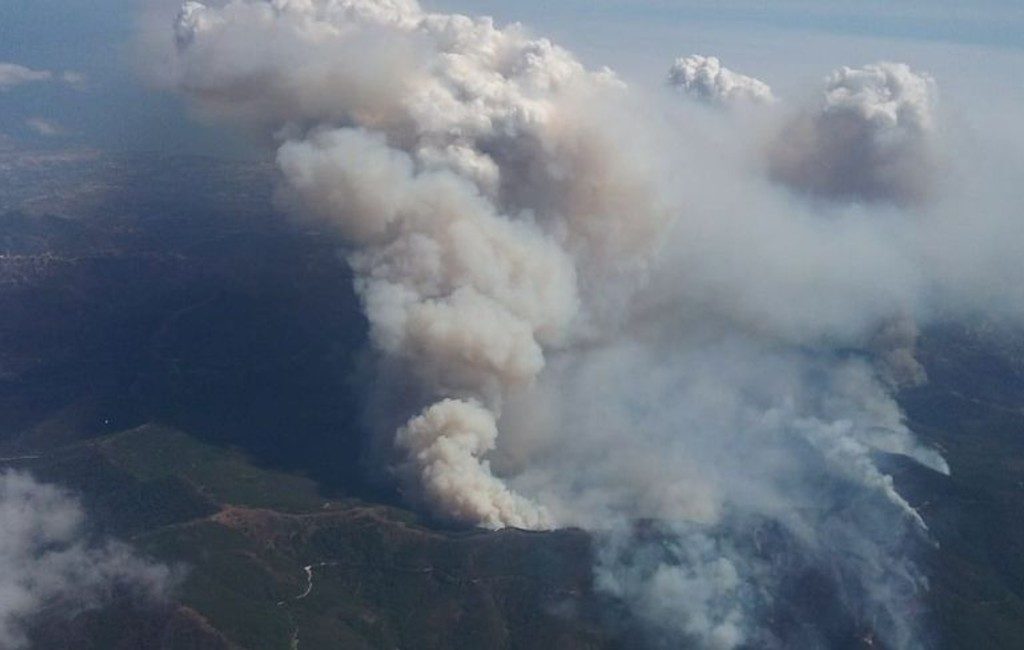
(987, 22)
(112, 110)
(975, 49)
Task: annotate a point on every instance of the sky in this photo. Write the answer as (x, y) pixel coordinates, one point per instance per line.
(111, 109)
(975, 50)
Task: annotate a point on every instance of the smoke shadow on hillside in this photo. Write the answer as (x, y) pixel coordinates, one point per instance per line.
(193, 304)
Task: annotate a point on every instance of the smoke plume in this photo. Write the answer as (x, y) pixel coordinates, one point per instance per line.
(458, 162)
(871, 138)
(705, 78)
(47, 561)
(617, 314)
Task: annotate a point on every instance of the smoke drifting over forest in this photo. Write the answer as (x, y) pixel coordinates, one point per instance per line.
(675, 324)
(48, 561)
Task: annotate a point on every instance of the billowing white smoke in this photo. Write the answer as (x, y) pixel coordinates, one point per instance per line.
(446, 443)
(872, 138)
(656, 332)
(707, 79)
(47, 561)
(457, 160)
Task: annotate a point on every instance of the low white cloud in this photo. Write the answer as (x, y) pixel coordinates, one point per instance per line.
(44, 127)
(13, 74)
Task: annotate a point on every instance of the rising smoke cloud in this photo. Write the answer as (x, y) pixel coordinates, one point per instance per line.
(471, 185)
(705, 78)
(47, 560)
(616, 314)
(871, 138)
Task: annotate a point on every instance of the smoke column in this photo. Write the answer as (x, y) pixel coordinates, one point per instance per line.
(641, 318)
(474, 192)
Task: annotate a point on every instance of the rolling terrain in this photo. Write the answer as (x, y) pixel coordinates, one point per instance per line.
(189, 363)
